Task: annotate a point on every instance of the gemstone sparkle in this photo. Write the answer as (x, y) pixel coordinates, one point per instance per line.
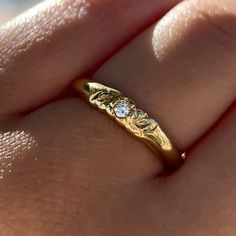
(122, 109)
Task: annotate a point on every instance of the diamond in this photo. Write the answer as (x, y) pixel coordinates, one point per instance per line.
(122, 109)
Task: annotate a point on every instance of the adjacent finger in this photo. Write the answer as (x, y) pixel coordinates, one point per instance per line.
(181, 71)
(43, 50)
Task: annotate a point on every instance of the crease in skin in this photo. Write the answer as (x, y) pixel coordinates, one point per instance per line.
(36, 27)
(14, 145)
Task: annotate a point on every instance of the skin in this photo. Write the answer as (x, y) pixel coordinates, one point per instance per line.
(67, 169)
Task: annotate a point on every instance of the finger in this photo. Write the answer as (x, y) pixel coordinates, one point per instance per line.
(181, 71)
(44, 49)
(202, 194)
(216, 154)
(70, 162)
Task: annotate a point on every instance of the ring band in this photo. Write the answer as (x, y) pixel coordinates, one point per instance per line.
(137, 122)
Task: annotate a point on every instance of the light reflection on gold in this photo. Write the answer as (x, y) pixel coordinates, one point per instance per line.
(13, 145)
(134, 120)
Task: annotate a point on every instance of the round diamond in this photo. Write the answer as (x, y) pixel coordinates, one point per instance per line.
(122, 109)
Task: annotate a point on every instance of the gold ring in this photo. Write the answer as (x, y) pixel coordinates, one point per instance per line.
(136, 121)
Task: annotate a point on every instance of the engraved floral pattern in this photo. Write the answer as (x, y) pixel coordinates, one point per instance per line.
(137, 122)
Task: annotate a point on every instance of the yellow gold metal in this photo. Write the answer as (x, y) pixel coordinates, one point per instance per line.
(136, 121)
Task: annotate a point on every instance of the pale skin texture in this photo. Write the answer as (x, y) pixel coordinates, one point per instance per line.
(67, 169)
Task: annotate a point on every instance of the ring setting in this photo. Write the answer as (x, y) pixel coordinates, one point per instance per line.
(122, 109)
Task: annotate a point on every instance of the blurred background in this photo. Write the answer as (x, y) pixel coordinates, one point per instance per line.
(11, 8)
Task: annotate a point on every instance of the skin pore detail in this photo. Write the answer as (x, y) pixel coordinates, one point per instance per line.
(14, 145)
(38, 30)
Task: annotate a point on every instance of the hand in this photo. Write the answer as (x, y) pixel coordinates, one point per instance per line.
(67, 169)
